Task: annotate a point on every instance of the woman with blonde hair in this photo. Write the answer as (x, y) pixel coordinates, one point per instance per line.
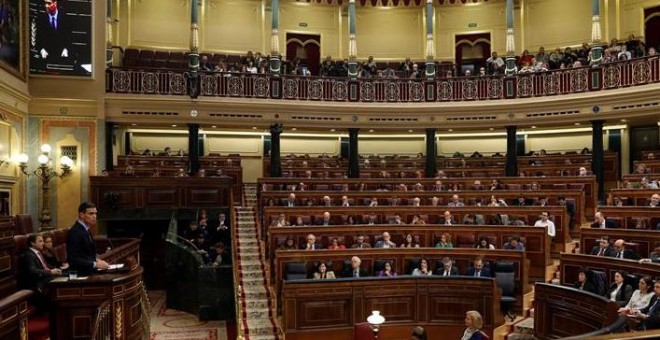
(473, 324)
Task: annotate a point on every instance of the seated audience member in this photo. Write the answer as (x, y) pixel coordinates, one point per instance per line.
(478, 269)
(38, 271)
(655, 201)
(520, 201)
(322, 272)
(544, 222)
(650, 315)
(484, 243)
(448, 268)
(49, 255)
(282, 221)
(603, 248)
(356, 270)
(495, 185)
(220, 231)
(473, 324)
(219, 255)
(193, 231)
(514, 244)
(495, 202)
(326, 201)
(601, 222)
(417, 220)
(582, 172)
(310, 243)
(418, 333)
(622, 253)
(203, 247)
(325, 221)
(335, 244)
(299, 222)
(409, 242)
(386, 242)
(387, 270)
(583, 282)
(289, 244)
(447, 218)
(345, 202)
(360, 244)
(640, 298)
(397, 220)
(290, 201)
(372, 219)
(373, 202)
(445, 241)
(619, 291)
(455, 202)
(423, 269)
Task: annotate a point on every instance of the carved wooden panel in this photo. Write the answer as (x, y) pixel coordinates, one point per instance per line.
(315, 314)
(160, 197)
(204, 197)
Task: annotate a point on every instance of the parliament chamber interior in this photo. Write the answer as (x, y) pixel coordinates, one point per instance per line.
(329, 169)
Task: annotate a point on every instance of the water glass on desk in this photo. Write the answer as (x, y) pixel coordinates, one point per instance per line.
(73, 275)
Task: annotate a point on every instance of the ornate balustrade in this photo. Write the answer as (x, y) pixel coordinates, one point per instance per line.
(576, 80)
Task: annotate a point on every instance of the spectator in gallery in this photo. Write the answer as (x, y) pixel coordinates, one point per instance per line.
(484, 243)
(386, 242)
(323, 273)
(360, 243)
(583, 282)
(495, 64)
(387, 270)
(641, 296)
(423, 269)
(409, 242)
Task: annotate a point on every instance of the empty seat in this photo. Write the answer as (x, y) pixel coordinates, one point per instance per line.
(131, 57)
(295, 271)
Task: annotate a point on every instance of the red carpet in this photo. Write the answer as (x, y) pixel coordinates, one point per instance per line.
(38, 327)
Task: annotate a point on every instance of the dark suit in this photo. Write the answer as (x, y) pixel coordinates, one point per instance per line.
(652, 321)
(608, 224)
(627, 254)
(316, 246)
(80, 249)
(587, 287)
(453, 271)
(609, 251)
(364, 245)
(623, 296)
(351, 273)
(53, 37)
(485, 272)
(36, 279)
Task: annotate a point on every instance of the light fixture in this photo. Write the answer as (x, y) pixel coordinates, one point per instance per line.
(375, 320)
(194, 113)
(45, 172)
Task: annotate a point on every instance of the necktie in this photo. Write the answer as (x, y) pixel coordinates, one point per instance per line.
(653, 308)
(356, 273)
(446, 273)
(41, 259)
(601, 252)
(478, 273)
(620, 255)
(53, 22)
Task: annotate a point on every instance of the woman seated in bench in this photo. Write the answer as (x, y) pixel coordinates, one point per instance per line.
(322, 272)
(620, 292)
(423, 269)
(49, 255)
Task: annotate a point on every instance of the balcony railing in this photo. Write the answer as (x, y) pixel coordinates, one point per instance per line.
(378, 90)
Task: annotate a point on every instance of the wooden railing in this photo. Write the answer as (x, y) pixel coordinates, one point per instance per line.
(102, 328)
(616, 75)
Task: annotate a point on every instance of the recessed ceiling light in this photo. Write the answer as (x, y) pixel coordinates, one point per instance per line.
(577, 124)
(254, 128)
(450, 130)
(533, 126)
(410, 130)
(213, 126)
(371, 130)
(294, 129)
(623, 120)
(133, 124)
(491, 129)
(333, 130)
(173, 125)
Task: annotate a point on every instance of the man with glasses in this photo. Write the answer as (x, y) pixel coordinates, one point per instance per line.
(360, 243)
(546, 223)
(311, 243)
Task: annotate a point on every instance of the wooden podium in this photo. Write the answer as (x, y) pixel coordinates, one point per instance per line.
(102, 306)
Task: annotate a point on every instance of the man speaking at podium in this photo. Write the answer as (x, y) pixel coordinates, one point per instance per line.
(80, 246)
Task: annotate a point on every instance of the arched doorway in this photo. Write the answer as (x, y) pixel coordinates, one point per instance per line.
(471, 51)
(652, 26)
(307, 48)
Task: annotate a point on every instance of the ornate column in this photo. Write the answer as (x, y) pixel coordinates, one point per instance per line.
(510, 41)
(193, 58)
(511, 152)
(352, 44)
(193, 149)
(109, 138)
(596, 38)
(353, 154)
(108, 39)
(598, 157)
(275, 57)
(275, 160)
(430, 45)
(431, 153)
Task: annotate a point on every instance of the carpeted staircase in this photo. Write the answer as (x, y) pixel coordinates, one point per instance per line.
(256, 320)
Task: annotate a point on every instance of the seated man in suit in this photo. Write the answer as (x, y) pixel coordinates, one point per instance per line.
(325, 221)
(447, 218)
(386, 242)
(514, 244)
(80, 246)
(290, 201)
(448, 268)
(601, 222)
(478, 269)
(360, 243)
(311, 243)
(603, 247)
(38, 271)
(650, 316)
(622, 253)
(356, 269)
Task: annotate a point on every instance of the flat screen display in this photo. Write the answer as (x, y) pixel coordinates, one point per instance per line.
(61, 37)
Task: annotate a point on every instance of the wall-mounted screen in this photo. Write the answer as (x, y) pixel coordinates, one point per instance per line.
(61, 37)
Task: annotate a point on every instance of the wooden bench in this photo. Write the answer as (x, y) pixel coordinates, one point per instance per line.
(329, 309)
(627, 217)
(536, 240)
(384, 214)
(570, 265)
(401, 259)
(469, 197)
(634, 197)
(642, 241)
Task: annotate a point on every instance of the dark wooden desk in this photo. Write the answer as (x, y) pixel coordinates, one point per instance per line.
(400, 258)
(563, 311)
(328, 309)
(645, 240)
(634, 197)
(75, 306)
(536, 240)
(626, 217)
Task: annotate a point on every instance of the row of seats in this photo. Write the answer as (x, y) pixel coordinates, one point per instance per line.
(460, 241)
(134, 58)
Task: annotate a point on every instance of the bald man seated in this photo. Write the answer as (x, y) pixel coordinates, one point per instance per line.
(622, 252)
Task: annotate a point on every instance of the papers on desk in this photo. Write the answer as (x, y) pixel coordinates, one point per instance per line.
(116, 266)
(67, 279)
